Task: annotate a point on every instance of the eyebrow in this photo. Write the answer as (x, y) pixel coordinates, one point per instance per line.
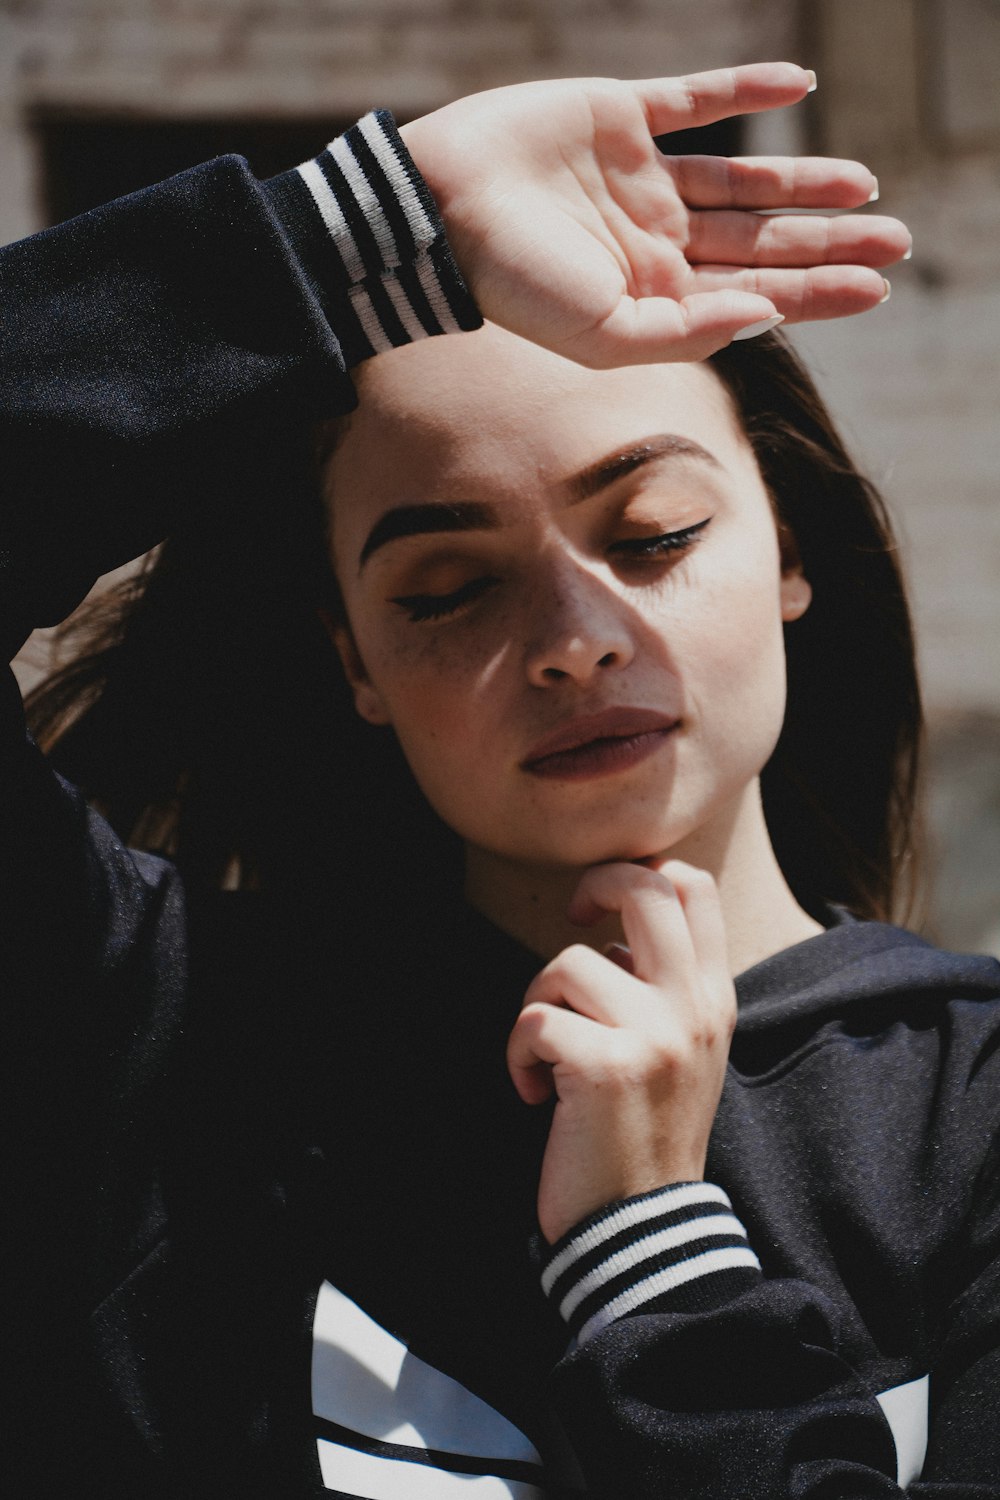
(416, 520)
(472, 515)
(617, 465)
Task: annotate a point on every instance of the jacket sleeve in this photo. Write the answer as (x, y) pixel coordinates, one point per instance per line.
(695, 1375)
(154, 352)
(158, 358)
(155, 356)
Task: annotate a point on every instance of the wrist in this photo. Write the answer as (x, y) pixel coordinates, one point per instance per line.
(370, 242)
(676, 1249)
(559, 1219)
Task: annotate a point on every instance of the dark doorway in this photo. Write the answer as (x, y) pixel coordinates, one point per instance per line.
(90, 160)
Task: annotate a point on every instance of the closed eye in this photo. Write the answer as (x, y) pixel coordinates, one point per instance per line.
(420, 607)
(654, 548)
(437, 606)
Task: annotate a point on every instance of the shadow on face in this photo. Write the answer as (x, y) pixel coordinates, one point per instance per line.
(522, 545)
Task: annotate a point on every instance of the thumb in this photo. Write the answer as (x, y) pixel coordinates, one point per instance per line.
(651, 330)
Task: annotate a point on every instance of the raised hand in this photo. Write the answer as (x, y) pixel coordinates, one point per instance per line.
(575, 231)
(636, 1059)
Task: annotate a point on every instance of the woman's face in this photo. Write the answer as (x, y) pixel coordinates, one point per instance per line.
(564, 592)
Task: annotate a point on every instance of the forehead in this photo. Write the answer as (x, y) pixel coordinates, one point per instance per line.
(493, 409)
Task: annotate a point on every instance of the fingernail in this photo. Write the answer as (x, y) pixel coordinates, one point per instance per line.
(754, 330)
(909, 254)
(620, 955)
(773, 213)
(886, 294)
(873, 195)
(812, 81)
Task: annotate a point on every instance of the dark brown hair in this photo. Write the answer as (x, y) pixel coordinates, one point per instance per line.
(841, 789)
(201, 705)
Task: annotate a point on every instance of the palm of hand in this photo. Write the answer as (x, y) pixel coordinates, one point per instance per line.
(577, 232)
(593, 218)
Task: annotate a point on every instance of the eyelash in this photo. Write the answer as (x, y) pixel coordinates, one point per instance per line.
(655, 547)
(421, 607)
(437, 606)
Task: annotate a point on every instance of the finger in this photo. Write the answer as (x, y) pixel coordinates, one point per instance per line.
(617, 953)
(590, 985)
(652, 916)
(649, 330)
(699, 898)
(544, 1036)
(820, 292)
(701, 98)
(747, 239)
(533, 1082)
(771, 181)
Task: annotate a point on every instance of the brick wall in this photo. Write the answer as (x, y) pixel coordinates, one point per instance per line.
(185, 58)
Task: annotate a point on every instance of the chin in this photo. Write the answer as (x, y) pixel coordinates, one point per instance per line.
(579, 851)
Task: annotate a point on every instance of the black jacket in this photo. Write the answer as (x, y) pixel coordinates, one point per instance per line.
(193, 1141)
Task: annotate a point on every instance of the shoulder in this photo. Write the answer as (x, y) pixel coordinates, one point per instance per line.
(879, 988)
(866, 963)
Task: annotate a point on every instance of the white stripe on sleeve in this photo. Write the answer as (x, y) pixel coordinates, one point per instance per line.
(333, 217)
(666, 1280)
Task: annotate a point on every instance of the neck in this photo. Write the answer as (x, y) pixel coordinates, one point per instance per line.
(760, 913)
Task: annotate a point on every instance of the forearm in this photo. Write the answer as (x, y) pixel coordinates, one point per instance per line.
(694, 1372)
(155, 352)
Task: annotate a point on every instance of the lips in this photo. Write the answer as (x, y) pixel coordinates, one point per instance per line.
(597, 742)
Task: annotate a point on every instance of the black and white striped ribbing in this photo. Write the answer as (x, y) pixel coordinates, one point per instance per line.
(650, 1253)
(371, 243)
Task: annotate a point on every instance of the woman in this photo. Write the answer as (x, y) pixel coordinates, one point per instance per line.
(571, 595)
(311, 1149)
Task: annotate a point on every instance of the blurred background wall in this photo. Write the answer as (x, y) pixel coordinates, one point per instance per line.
(100, 96)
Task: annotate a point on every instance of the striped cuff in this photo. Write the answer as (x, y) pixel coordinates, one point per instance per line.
(371, 243)
(650, 1254)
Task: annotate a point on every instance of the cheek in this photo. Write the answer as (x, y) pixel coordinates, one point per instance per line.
(734, 647)
(449, 727)
(436, 689)
(450, 675)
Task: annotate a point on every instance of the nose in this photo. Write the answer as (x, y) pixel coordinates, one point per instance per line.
(580, 627)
